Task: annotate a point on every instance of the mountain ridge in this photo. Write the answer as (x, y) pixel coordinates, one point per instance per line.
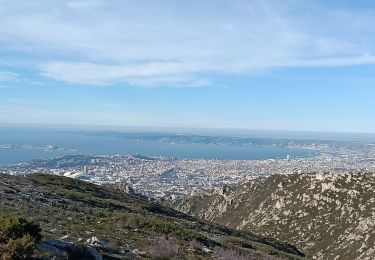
(126, 225)
(329, 216)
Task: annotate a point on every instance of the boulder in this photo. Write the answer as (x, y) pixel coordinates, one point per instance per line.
(68, 250)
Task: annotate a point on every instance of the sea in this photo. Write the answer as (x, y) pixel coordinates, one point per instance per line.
(103, 145)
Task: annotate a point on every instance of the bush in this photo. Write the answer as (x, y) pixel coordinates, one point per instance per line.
(19, 248)
(164, 248)
(229, 254)
(161, 226)
(12, 227)
(195, 244)
(18, 237)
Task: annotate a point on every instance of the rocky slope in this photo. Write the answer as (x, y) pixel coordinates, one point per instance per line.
(328, 216)
(78, 217)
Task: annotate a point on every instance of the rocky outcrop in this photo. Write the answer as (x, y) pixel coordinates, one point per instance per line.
(67, 250)
(328, 216)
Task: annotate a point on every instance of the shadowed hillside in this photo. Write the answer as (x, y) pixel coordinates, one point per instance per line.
(120, 225)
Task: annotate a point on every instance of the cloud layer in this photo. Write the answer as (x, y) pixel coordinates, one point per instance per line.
(176, 43)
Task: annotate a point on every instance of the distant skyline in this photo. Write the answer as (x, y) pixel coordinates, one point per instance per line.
(267, 64)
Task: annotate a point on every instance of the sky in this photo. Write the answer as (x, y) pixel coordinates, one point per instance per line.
(256, 64)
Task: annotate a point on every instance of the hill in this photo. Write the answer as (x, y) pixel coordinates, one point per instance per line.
(122, 226)
(327, 216)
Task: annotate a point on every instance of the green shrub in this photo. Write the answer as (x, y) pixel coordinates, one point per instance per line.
(18, 237)
(12, 227)
(161, 226)
(19, 248)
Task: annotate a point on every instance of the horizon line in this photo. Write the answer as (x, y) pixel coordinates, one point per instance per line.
(149, 128)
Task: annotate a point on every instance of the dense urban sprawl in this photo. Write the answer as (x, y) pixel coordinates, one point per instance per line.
(162, 176)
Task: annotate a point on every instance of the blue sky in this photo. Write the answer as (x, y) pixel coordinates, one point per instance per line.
(267, 64)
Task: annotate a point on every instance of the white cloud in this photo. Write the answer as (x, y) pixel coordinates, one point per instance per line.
(153, 73)
(99, 42)
(7, 76)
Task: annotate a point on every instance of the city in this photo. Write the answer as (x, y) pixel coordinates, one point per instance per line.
(163, 177)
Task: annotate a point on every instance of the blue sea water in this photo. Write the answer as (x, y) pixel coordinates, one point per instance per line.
(100, 145)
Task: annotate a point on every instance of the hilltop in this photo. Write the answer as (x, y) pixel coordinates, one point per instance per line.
(121, 225)
(328, 216)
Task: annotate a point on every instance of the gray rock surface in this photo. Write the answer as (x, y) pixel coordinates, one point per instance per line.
(60, 248)
(328, 216)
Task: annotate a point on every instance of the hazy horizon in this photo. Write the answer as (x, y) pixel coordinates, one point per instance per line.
(252, 133)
